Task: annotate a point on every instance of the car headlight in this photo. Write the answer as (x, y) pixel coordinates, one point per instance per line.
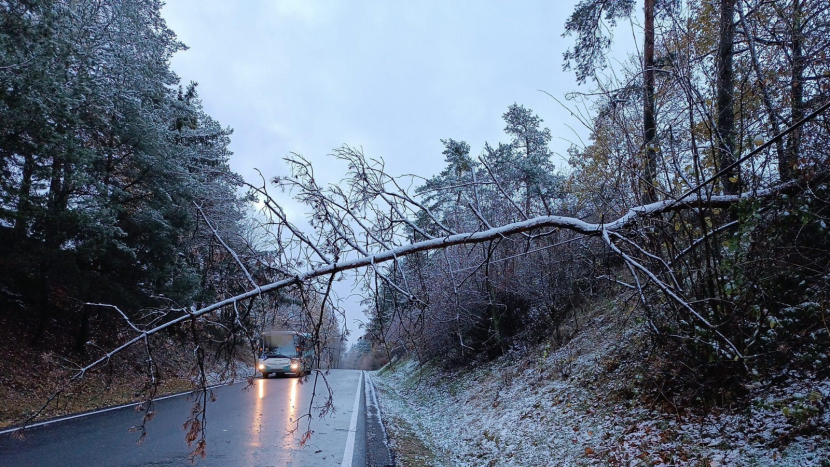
(294, 366)
(261, 366)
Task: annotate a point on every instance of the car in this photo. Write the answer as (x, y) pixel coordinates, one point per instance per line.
(284, 352)
(272, 362)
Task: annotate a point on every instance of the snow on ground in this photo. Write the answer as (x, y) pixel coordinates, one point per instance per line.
(551, 411)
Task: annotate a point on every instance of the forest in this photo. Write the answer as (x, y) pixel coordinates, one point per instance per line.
(119, 212)
(698, 207)
(699, 201)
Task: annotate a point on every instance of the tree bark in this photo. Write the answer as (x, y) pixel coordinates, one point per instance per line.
(24, 197)
(759, 75)
(52, 225)
(83, 331)
(726, 98)
(649, 191)
(787, 165)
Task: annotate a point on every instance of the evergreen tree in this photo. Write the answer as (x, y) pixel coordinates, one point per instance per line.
(103, 157)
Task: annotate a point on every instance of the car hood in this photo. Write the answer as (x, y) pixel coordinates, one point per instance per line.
(276, 361)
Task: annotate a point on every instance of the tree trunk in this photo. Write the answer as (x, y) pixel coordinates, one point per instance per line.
(649, 191)
(44, 302)
(759, 75)
(24, 197)
(51, 227)
(787, 165)
(83, 331)
(726, 99)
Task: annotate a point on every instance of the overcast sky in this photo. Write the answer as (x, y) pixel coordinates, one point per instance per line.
(391, 77)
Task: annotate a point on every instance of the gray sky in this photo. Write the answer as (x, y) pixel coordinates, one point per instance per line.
(392, 77)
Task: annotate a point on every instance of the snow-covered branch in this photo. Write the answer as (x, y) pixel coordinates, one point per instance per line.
(468, 238)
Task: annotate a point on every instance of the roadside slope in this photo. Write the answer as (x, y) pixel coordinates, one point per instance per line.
(580, 405)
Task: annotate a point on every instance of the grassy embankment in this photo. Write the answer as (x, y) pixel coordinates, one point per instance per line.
(588, 403)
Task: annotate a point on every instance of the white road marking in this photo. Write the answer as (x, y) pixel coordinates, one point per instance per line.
(373, 396)
(349, 453)
(108, 409)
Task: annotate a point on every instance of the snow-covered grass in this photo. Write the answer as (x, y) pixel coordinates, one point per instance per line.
(578, 405)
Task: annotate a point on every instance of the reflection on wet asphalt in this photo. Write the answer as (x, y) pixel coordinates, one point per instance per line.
(260, 425)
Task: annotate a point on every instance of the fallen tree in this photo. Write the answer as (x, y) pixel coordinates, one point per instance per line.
(375, 221)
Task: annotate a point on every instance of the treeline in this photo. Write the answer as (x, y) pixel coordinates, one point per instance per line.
(106, 163)
(716, 134)
(472, 303)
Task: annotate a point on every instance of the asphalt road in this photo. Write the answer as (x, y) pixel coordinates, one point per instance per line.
(244, 427)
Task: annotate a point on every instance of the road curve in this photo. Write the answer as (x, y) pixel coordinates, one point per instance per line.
(244, 427)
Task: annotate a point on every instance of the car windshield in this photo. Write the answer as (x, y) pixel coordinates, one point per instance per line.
(273, 354)
(283, 343)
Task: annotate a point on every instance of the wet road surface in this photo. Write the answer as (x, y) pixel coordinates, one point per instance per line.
(244, 427)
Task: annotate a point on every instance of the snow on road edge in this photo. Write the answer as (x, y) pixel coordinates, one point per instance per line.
(525, 412)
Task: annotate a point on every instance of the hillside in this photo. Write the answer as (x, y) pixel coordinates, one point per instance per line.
(30, 375)
(583, 404)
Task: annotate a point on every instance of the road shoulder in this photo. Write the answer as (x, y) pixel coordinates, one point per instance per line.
(405, 444)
